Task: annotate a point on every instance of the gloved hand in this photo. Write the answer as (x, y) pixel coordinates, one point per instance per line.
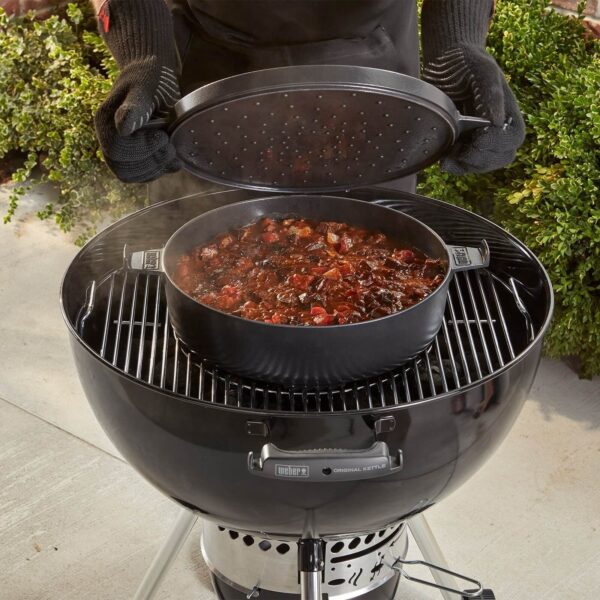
(139, 34)
(455, 61)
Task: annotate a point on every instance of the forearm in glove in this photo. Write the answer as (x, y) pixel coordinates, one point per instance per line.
(455, 60)
(139, 34)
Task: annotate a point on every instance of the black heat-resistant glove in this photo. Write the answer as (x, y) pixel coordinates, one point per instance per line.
(139, 34)
(455, 61)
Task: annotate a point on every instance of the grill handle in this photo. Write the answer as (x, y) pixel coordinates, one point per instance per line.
(325, 464)
(463, 258)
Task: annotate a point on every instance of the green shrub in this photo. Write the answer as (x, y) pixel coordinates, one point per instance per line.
(53, 76)
(549, 197)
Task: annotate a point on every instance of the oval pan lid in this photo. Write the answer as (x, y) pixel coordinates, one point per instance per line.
(313, 128)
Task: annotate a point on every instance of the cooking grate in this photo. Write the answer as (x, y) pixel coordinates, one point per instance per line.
(126, 321)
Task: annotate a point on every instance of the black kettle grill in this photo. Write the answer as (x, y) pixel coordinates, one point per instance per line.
(333, 473)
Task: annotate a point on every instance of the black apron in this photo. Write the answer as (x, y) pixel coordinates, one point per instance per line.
(220, 38)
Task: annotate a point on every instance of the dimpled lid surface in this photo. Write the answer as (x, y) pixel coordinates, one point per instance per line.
(318, 137)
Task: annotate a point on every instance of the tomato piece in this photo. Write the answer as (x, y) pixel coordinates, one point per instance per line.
(323, 319)
(209, 252)
(226, 302)
(226, 241)
(301, 232)
(405, 256)
(345, 268)
(345, 244)
(244, 264)
(278, 318)
(270, 237)
(319, 270)
(378, 238)
(301, 282)
(332, 238)
(342, 308)
(333, 274)
(230, 290)
(209, 299)
(317, 311)
(341, 319)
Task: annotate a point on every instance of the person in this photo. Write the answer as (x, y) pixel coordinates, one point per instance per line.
(163, 52)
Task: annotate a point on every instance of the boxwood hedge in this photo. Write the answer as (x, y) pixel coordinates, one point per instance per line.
(550, 196)
(53, 75)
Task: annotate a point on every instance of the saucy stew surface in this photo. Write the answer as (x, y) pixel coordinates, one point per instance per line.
(302, 272)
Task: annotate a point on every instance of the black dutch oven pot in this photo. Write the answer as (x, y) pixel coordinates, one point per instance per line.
(303, 355)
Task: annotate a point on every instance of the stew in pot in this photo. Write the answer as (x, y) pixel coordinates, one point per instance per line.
(301, 272)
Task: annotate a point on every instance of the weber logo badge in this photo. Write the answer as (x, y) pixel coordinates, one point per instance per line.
(461, 257)
(151, 259)
(295, 471)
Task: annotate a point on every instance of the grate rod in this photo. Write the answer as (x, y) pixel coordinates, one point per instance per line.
(381, 390)
(417, 374)
(213, 386)
(461, 349)
(438, 355)
(226, 390)
(356, 397)
(119, 322)
(292, 397)
(165, 348)
(490, 321)
(175, 367)
(154, 333)
(451, 354)
(108, 311)
(406, 388)
(317, 396)
(502, 319)
(304, 401)
(140, 360)
(188, 369)
(463, 310)
(486, 352)
(201, 380)
(369, 394)
(131, 324)
(394, 389)
(343, 397)
(430, 374)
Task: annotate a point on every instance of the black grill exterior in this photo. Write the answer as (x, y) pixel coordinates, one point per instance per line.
(188, 428)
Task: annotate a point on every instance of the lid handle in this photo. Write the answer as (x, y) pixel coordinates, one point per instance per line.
(467, 123)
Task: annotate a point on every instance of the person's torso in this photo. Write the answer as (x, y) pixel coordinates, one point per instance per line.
(243, 35)
(267, 22)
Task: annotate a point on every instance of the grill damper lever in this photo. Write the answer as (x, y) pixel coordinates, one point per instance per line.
(310, 568)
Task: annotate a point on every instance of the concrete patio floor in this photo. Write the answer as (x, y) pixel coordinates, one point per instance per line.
(77, 522)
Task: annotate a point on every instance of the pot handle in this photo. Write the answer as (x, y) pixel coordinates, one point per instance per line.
(325, 464)
(143, 260)
(463, 258)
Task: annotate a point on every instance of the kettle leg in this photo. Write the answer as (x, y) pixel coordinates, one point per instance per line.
(166, 555)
